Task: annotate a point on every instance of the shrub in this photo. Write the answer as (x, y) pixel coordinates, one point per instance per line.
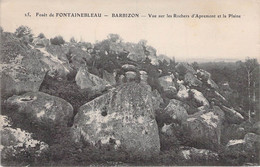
(23, 31)
(58, 40)
(41, 35)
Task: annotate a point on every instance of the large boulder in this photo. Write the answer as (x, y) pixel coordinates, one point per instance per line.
(176, 110)
(15, 141)
(123, 118)
(167, 83)
(109, 77)
(205, 127)
(21, 70)
(184, 68)
(136, 52)
(130, 76)
(199, 98)
(143, 76)
(78, 57)
(86, 80)
(231, 115)
(191, 80)
(44, 109)
(152, 55)
(183, 92)
(55, 59)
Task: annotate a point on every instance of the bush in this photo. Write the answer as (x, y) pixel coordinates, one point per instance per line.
(23, 31)
(58, 40)
(41, 35)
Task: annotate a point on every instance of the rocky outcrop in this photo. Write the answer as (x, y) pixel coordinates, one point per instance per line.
(199, 98)
(21, 70)
(191, 80)
(232, 115)
(86, 80)
(185, 68)
(55, 59)
(44, 109)
(123, 118)
(183, 92)
(110, 78)
(78, 57)
(167, 83)
(143, 76)
(15, 141)
(176, 110)
(205, 127)
(130, 76)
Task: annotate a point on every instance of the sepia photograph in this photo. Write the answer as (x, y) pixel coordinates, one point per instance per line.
(130, 83)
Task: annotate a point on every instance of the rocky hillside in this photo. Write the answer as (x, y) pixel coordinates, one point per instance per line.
(115, 103)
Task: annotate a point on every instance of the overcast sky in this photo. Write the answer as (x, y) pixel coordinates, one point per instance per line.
(184, 39)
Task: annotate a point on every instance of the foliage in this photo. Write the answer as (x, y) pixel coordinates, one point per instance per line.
(23, 31)
(41, 35)
(58, 40)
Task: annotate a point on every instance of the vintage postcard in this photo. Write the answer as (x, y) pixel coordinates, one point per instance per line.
(130, 83)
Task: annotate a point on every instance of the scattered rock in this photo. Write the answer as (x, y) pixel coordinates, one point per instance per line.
(191, 80)
(86, 80)
(183, 93)
(184, 68)
(176, 110)
(205, 128)
(130, 76)
(110, 78)
(129, 67)
(123, 118)
(167, 83)
(232, 116)
(198, 96)
(45, 109)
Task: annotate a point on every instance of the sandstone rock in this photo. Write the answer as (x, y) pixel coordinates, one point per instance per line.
(110, 78)
(45, 109)
(130, 76)
(191, 153)
(198, 96)
(78, 57)
(86, 80)
(252, 142)
(143, 76)
(129, 67)
(183, 93)
(231, 115)
(152, 55)
(167, 83)
(15, 142)
(256, 127)
(176, 110)
(205, 128)
(21, 70)
(55, 59)
(136, 52)
(123, 118)
(185, 68)
(191, 80)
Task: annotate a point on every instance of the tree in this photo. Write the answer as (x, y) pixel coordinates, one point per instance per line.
(251, 68)
(23, 31)
(73, 40)
(114, 38)
(58, 40)
(41, 35)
